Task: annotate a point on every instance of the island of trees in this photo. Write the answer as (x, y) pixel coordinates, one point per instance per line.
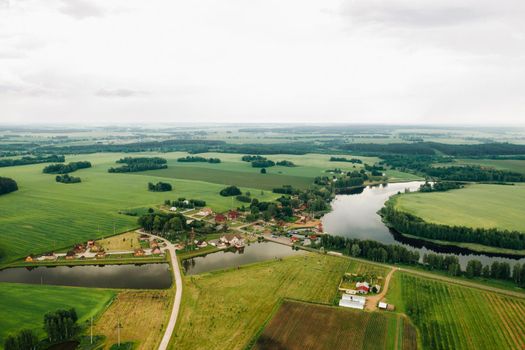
(286, 163)
(440, 186)
(67, 179)
(189, 159)
(258, 161)
(186, 203)
(31, 160)
(412, 225)
(159, 187)
(7, 185)
(344, 159)
(139, 164)
(66, 168)
(230, 191)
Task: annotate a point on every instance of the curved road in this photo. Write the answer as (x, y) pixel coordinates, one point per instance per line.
(178, 294)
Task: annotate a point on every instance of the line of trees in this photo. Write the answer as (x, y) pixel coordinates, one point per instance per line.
(66, 168)
(415, 226)
(474, 173)
(139, 164)
(440, 186)
(26, 339)
(31, 160)
(159, 187)
(184, 203)
(286, 163)
(370, 250)
(67, 179)
(7, 185)
(189, 159)
(344, 159)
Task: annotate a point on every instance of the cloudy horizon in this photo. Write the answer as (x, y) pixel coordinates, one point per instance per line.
(311, 61)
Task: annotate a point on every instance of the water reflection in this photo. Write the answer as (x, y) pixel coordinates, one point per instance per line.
(355, 216)
(139, 276)
(258, 251)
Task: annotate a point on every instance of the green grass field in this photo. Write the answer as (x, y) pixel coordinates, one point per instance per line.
(486, 206)
(500, 164)
(450, 316)
(226, 309)
(44, 215)
(296, 326)
(26, 305)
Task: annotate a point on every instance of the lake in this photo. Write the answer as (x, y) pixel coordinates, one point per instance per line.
(355, 216)
(256, 251)
(143, 276)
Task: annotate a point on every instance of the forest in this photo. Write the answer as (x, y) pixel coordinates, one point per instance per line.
(139, 164)
(190, 159)
(26, 160)
(60, 168)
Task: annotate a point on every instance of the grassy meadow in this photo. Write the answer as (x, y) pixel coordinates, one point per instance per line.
(143, 316)
(226, 309)
(27, 304)
(478, 205)
(45, 215)
(296, 326)
(450, 316)
(515, 165)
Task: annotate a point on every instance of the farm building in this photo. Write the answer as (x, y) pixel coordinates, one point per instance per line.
(139, 252)
(382, 305)
(205, 212)
(70, 255)
(362, 287)
(30, 258)
(173, 209)
(352, 301)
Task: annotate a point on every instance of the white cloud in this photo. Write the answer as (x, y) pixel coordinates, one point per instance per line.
(284, 61)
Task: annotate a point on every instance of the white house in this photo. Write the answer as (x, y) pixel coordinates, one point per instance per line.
(232, 240)
(173, 209)
(382, 305)
(352, 301)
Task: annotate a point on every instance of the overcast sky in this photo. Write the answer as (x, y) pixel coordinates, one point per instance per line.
(394, 61)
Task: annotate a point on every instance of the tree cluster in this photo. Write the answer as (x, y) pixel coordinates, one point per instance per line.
(60, 325)
(31, 160)
(159, 187)
(163, 223)
(139, 164)
(286, 163)
(285, 189)
(412, 225)
(189, 159)
(66, 168)
(183, 203)
(230, 191)
(474, 173)
(440, 186)
(7, 185)
(67, 179)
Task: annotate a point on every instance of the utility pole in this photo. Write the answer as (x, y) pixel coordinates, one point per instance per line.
(91, 332)
(119, 326)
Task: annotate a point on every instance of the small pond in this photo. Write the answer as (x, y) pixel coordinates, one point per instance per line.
(256, 251)
(139, 276)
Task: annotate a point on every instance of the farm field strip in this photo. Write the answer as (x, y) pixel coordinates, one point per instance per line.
(450, 316)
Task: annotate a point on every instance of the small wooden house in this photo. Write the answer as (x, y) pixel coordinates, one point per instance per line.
(139, 252)
(30, 258)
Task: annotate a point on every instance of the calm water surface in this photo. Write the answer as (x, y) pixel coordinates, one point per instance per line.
(145, 276)
(355, 216)
(257, 251)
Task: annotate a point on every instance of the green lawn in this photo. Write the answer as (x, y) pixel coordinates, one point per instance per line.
(23, 305)
(44, 215)
(500, 164)
(225, 310)
(454, 317)
(486, 206)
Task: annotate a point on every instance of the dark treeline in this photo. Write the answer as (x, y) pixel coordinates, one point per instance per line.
(190, 159)
(343, 159)
(440, 186)
(159, 187)
(7, 185)
(67, 179)
(249, 158)
(370, 250)
(430, 148)
(285, 163)
(31, 160)
(263, 163)
(412, 162)
(412, 225)
(60, 325)
(26, 339)
(186, 203)
(139, 164)
(66, 168)
(474, 173)
(285, 189)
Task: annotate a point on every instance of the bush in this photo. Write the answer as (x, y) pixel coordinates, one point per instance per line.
(230, 191)
(244, 199)
(66, 179)
(7, 185)
(159, 187)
